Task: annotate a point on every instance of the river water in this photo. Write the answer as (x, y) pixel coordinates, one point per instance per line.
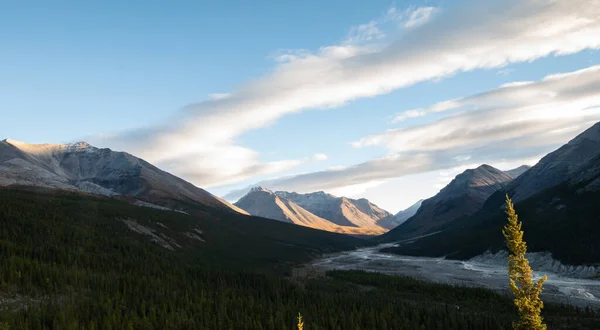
(562, 285)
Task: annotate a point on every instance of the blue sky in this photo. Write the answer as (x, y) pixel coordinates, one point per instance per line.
(303, 95)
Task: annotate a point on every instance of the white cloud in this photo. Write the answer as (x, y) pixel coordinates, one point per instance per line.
(462, 158)
(320, 157)
(506, 32)
(419, 16)
(514, 111)
(373, 30)
(225, 160)
(355, 190)
(505, 127)
(365, 32)
(409, 114)
(505, 72)
(219, 96)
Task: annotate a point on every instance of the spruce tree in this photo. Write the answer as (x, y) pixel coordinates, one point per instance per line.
(527, 294)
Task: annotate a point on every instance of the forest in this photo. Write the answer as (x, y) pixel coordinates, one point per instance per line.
(70, 261)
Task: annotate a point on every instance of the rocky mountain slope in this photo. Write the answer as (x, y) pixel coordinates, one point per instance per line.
(558, 166)
(264, 203)
(516, 172)
(404, 215)
(82, 167)
(557, 200)
(462, 196)
(342, 211)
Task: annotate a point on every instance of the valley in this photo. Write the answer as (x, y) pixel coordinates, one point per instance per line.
(305, 165)
(489, 273)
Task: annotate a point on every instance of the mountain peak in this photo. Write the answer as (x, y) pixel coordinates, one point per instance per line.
(592, 133)
(81, 167)
(483, 175)
(516, 172)
(259, 189)
(464, 195)
(484, 169)
(48, 148)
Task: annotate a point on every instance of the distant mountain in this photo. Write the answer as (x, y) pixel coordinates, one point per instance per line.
(342, 211)
(516, 172)
(82, 167)
(404, 215)
(464, 195)
(264, 203)
(557, 200)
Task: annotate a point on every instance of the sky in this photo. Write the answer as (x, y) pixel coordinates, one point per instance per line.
(376, 99)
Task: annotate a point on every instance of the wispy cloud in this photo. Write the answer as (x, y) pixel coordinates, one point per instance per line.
(219, 96)
(505, 72)
(319, 157)
(365, 32)
(504, 125)
(420, 16)
(511, 111)
(201, 139)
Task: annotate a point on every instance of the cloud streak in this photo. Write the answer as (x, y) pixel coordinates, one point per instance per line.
(200, 142)
(511, 111)
(513, 122)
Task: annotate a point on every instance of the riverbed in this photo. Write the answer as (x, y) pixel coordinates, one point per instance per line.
(561, 287)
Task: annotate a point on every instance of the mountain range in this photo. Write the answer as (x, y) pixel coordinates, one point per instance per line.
(556, 199)
(341, 210)
(318, 210)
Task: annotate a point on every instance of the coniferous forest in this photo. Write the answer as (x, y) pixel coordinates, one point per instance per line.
(70, 261)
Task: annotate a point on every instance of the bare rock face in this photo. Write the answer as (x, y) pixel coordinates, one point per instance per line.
(342, 210)
(464, 195)
(82, 167)
(267, 204)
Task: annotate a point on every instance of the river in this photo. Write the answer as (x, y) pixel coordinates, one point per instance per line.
(563, 285)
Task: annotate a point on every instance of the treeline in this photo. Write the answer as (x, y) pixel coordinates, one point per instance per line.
(68, 262)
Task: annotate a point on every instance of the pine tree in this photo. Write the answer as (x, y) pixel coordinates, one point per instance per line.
(527, 294)
(300, 322)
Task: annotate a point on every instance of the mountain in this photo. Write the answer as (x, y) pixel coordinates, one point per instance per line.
(516, 172)
(556, 200)
(404, 215)
(84, 168)
(558, 166)
(462, 196)
(342, 211)
(264, 203)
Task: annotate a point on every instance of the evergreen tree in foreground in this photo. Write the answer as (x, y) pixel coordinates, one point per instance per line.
(527, 294)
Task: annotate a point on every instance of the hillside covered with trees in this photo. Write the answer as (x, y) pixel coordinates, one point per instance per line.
(70, 262)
